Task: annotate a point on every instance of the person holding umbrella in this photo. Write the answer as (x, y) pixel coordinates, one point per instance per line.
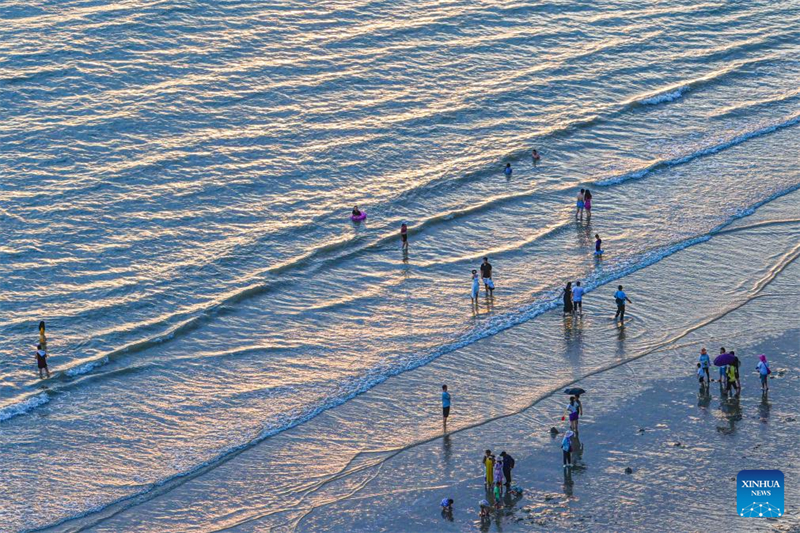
(576, 391)
(722, 361)
(572, 409)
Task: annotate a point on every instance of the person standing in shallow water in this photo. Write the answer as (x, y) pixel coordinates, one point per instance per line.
(486, 274)
(621, 298)
(488, 465)
(507, 171)
(498, 473)
(41, 362)
(705, 363)
(508, 465)
(476, 287)
(404, 236)
(568, 308)
(572, 409)
(566, 448)
(587, 204)
(445, 404)
(580, 205)
(577, 298)
(763, 372)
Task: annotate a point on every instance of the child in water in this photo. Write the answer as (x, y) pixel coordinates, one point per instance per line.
(701, 374)
(41, 361)
(476, 286)
(508, 170)
(498, 495)
(598, 243)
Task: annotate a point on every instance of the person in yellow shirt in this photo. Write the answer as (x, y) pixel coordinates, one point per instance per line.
(488, 463)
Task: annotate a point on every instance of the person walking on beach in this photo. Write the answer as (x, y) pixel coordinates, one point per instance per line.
(621, 298)
(476, 287)
(486, 274)
(42, 336)
(763, 372)
(507, 171)
(577, 298)
(587, 204)
(488, 465)
(445, 404)
(568, 308)
(41, 362)
(572, 410)
(730, 378)
(704, 361)
(580, 204)
(498, 473)
(566, 448)
(508, 465)
(404, 235)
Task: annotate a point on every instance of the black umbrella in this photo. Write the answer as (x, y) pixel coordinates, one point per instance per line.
(574, 391)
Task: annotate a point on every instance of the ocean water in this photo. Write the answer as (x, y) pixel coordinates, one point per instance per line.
(176, 180)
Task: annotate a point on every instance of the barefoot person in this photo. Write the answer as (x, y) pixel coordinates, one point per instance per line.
(486, 274)
(621, 298)
(476, 287)
(598, 244)
(580, 204)
(41, 362)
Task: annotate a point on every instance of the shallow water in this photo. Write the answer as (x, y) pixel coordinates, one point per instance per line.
(167, 207)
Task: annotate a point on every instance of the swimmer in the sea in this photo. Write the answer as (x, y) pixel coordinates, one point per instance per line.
(356, 212)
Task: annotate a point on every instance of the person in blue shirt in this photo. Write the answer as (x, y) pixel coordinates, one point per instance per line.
(445, 403)
(508, 170)
(621, 298)
(705, 363)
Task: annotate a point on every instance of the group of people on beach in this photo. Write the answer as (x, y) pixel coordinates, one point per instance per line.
(729, 379)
